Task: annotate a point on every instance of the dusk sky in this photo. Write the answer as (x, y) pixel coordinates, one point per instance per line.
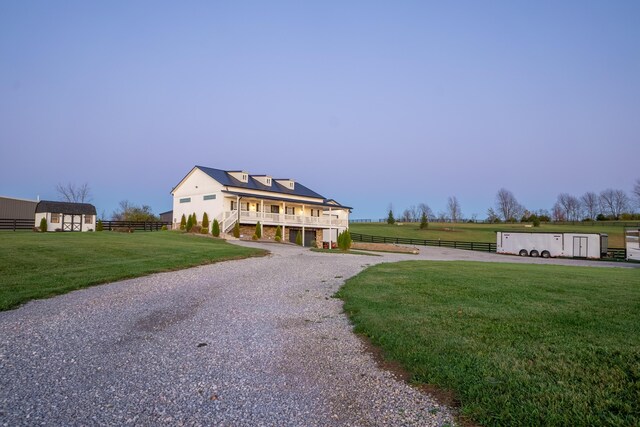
(369, 103)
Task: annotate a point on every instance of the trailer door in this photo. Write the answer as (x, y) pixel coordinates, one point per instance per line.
(580, 245)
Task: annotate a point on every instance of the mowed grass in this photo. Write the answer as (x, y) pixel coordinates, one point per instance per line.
(473, 232)
(39, 265)
(533, 345)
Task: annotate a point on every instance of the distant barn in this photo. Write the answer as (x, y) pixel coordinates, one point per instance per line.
(64, 216)
(12, 208)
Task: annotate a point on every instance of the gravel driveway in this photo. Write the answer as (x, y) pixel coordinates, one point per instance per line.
(255, 342)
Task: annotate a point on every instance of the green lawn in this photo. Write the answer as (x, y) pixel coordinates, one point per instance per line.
(517, 344)
(468, 232)
(39, 265)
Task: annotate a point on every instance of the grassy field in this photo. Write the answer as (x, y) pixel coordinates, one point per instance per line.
(517, 344)
(39, 265)
(468, 232)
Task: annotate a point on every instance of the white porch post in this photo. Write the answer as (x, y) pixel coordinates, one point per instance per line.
(330, 229)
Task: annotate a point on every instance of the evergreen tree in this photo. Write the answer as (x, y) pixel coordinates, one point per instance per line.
(194, 219)
(299, 238)
(99, 226)
(43, 224)
(189, 223)
(215, 228)
(278, 233)
(390, 218)
(236, 230)
(183, 222)
(205, 220)
(424, 222)
(344, 240)
(258, 230)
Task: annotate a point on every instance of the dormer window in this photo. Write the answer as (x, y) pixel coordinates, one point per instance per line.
(287, 183)
(263, 179)
(241, 176)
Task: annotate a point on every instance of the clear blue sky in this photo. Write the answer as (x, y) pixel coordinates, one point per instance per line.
(366, 102)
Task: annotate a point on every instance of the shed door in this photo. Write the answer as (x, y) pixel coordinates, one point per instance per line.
(580, 247)
(71, 222)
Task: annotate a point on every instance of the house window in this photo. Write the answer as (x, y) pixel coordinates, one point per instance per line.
(275, 209)
(88, 219)
(244, 206)
(290, 210)
(185, 200)
(55, 218)
(209, 197)
(268, 181)
(233, 205)
(315, 212)
(244, 178)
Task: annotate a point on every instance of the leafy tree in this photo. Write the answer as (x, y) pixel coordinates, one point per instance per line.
(131, 212)
(215, 228)
(424, 221)
(43, 224)
(390, 218)
(183, 222)
(258, 230)
(236, 230)
(74, 194)
(205, 220)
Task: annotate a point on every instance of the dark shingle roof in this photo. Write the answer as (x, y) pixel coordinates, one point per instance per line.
(227, 180)
(65, 208)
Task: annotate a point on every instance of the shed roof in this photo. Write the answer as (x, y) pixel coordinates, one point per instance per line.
(65, 208)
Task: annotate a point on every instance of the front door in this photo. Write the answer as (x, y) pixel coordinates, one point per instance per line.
(580, 247)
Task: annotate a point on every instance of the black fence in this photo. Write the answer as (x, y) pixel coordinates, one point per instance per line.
(17, 224)
(613, 254)
(134, 225)
(472, 246)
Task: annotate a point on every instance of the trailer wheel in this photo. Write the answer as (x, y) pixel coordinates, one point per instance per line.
(523, 252)
(534, 253)
(546, 254)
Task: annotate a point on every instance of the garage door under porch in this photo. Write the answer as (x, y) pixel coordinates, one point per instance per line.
(311, 236)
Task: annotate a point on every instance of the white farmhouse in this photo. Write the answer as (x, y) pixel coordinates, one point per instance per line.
(237, 196)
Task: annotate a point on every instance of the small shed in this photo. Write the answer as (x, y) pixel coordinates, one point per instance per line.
(66, 216)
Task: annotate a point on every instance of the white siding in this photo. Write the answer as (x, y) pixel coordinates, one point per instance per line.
(196, 186)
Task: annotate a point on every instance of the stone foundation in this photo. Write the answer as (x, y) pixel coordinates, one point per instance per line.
(269, 233)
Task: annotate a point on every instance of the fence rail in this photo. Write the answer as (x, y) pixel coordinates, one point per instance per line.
(613, 254)
(135, 225)
(17, 224)
(472, 246)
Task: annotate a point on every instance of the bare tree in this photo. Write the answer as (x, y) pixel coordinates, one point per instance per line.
(507, 206)
(74, 194)
(591, 204)
(492, 216)
(557, 213)
(415, 213)
(453, 208)
(406, 215)
(570, 205)
(131, 212)
(425, 209)
(614, 202)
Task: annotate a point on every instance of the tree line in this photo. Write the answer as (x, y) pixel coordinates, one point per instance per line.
(609, 204)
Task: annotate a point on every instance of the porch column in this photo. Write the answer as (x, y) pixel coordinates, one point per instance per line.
(303, 235)
(330, 229)
(238, 205)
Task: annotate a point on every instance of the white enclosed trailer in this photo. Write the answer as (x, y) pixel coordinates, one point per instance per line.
(568, 245)
(632, 243)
